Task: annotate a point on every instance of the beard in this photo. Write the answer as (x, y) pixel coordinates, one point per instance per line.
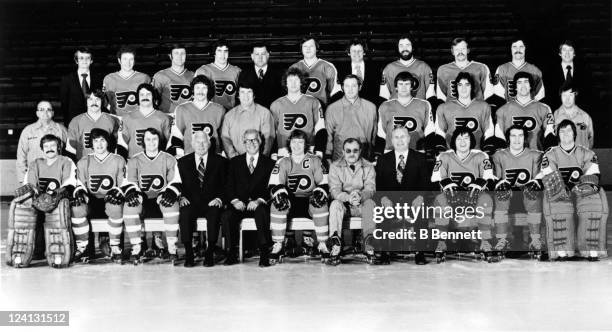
(406, 55)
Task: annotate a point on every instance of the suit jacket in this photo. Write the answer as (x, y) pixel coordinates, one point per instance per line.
(581, 78)
(416, 176)
(71, 96)
(267, 90)
(371, 85)
(243, 185)
(214, 178)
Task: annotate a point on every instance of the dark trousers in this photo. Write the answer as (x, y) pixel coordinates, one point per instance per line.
(231, 225)
(188, 223)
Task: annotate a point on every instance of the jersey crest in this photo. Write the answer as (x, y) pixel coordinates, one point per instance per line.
(178, 91)
(140, 136)
(149, 182)
(100, 182)
(463, 178)
(47, 184)
(297, 182)
(313, 84)
(527, 122)
(224, 87)
(469, 123)
(87, 142)
(406, 121)
(205, 127)
(571, 175)
(294, 121)
(126, 98)
(517, 176)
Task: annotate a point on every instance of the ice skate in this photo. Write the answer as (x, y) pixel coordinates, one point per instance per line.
(368, 250)
(116, 255)
(501, 248)
(81, 255)
(171, 253)
(335, 243)
(535, 248)
(440, 252)
(277, 255)
(157, 247)
(322, 249)
(486, 252)
(136, 255)
(290, 247)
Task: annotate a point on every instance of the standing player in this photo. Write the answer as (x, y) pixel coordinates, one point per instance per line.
(446, 85)
(404, 110)
(299, 188)
(173, 83)
(200, 114)
(298, 111)
(79, 130)
(573, 167)
(517, 168)
(99, 179)
(120, 87)
(322, 76)
(223, 74)
(153, 187)
(570, 111)
(407, 62)
(505, 83)
(535, 116)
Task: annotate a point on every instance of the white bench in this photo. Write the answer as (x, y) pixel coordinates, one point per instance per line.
(151, 225)
(297, 224)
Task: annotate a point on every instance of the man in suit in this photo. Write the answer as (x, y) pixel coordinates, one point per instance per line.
(404, 171)
(367, 71)
(76, 85)
(266, 78)
(203, 176)
(247, 193)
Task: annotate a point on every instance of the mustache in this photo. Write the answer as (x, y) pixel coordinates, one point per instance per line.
(48, 151)
(94, 105)
(146, 99)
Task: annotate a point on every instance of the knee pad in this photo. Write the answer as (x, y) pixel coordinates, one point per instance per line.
(58, 235)
(80, 211)
(533, 206)
(560, 233)
(21, 235)
(592, 214)
(113, 211)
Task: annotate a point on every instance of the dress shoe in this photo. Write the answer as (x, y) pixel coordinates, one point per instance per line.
(209, 258)
(231, 259)
(419, 258)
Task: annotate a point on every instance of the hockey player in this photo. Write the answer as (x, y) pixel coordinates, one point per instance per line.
(173, 83)
(350, 117)
(54, 176)
(100, 176)
(405, 110)
(569, 110)
(407, 62)
(465, 111)
(153, 186)
(535, 116)
(517, 170)
(79, 130)
(120, 87)
(298, 185)
(446, 84)
(573, 167)
(298, 111)
(505, 82)
(199, 114)
(352, 183)
(463, 174)
(322, 76)
(146, 116)
(224, 74)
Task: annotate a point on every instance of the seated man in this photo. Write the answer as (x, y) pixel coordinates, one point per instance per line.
(50, 182)
(352, 182)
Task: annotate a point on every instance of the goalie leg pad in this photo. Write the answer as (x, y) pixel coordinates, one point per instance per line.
(115, 222)
(560, 232)
(320, 217)
(21, 235)
(337, 210)
(278, 223)
(80, 225)
(58, 235)
(133, 223)
(441, 201)
(171, 219)
(592, 214)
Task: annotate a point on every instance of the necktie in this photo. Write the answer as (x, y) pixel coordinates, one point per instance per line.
(358, 71)
(201, 170)
(251, 166)
(260, 73)
(84, 85)
(400, 168)
(352, 167)
(568, 76)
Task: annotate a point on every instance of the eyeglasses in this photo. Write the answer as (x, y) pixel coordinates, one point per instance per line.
(251, 141)
(45, 109)
(351, 151)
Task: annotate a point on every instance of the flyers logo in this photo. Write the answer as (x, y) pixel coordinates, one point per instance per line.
(139, 134)
(205, 127)
(87, 143)
(469, 123)
(151, 182)
(517, 176)
(313, 84)
(571, 175)
(179, 91)
(463, 178)
(294, 121)
(47, 184)
(452, 87)
(511, 88)
(527, 122)
(100, 182)
(406, 121)
(299, 182)
(126, 98)
(225, 87)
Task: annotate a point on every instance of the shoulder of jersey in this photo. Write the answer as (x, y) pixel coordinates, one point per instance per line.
(446, 154)
(534, 151)
(479, 153)
(479, 63)
(312, 156)
(422, 101)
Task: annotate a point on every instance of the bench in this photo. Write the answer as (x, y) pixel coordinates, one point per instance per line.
(151, 225)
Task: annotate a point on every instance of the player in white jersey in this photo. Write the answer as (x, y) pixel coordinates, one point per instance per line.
(173, 83)
(322, 80)
(446, 85)
(407, 62)
(120, 87)
(200, 114)
(569, 110)
(505, 84)
(224, 74)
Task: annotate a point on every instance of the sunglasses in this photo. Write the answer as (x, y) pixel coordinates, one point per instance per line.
(44, 109)
(351, 151)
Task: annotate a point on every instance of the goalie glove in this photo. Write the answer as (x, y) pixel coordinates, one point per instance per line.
(133, 197)
(79, 197)
(24, 192)
(280, 197)
(318, 197)
(167, 198)
(555, 187)
(46, 202)
(503, 190)
(532, 189)
(588, 185)
(472, 197)
(114, 196)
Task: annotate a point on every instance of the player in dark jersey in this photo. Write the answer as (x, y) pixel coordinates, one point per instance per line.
(407, 62)
(199, 114)
(322, 76)
(300, 111)
(505, 84)
(173, 83)
(223, 74)
(299, 188)
(153, 187)
(120, 87)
